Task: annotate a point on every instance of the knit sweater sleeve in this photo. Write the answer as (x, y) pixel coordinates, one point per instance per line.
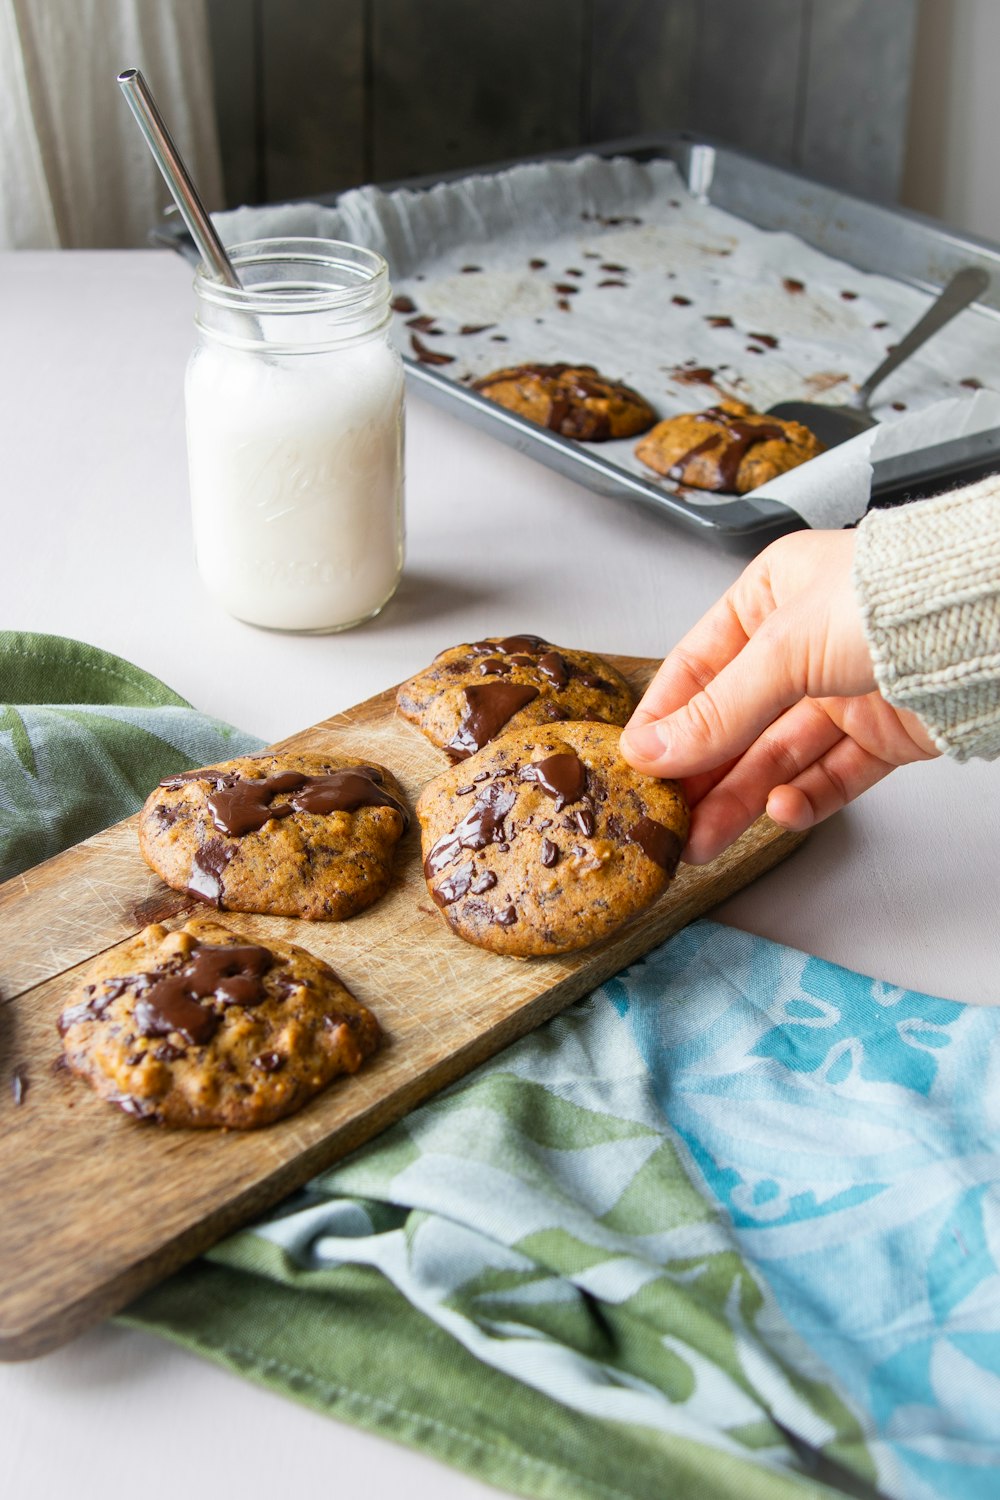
(928, 580)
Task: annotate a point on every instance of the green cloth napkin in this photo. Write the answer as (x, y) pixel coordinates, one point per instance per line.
(84, 737)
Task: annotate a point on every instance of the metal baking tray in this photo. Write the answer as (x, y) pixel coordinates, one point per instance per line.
(868, 236)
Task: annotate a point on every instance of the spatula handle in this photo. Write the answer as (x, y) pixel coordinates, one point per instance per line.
(964, 287)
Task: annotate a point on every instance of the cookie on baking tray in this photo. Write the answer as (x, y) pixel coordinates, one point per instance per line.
(574, 400)
(729, 447)
(547, 840)
(201, 1027)
(472, 692)
(294, 835)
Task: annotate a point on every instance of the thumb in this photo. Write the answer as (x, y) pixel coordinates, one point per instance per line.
(721, 721)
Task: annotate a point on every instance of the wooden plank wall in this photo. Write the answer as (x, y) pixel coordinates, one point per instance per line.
(319, 95)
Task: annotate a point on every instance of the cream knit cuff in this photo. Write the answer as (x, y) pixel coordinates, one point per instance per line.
(927, 577)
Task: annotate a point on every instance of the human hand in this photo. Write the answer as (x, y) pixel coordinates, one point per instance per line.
(770, 701)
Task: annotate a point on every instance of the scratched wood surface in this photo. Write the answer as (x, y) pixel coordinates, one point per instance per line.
(96, 1206)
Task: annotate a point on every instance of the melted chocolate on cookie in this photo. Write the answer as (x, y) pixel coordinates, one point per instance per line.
(482, 825)
(554, 667)
(657, 842)
(207, 869)
(561, 776)
(488, 707)
(736, 438)
(231, 975)
(169, 998)
(240, 807)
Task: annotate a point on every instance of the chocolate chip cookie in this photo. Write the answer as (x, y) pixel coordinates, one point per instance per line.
(294, 835)
(574, 400)
(729, 447)
(547, 840)
(202, 1027)
(470, 693)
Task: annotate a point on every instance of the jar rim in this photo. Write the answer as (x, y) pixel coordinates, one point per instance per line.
(368, 270)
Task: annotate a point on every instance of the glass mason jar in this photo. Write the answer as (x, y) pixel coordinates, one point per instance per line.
(294, 405)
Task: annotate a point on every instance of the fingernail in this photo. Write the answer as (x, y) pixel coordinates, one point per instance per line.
(646, 741)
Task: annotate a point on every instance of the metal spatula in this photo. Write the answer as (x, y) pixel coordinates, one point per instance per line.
(835, 424)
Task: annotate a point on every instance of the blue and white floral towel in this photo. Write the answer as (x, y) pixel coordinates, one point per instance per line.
(738, 1203)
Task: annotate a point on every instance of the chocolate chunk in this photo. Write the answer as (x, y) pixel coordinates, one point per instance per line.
(90, 1009)
(553, 666)
(584, 820)
(231, 974)
(206, 773)
(657, 842)
(698, 375)
(429, 356)
(550, 853)
(167, 1008)
(482, 825)
(455, 886)
(166, 815)
(269, 1062)
(488, 707)
(519, 644)
(140, 1109)
(247, 806)
(346, 791)
(591, 680)
(207, 869)
(562, 776)
(403, 304)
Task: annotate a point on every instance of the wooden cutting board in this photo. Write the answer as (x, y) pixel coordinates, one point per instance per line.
(95, 1206)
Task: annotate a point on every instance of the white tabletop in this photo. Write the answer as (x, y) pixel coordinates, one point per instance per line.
(96, 545)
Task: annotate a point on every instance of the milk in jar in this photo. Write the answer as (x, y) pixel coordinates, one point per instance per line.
(294, 407)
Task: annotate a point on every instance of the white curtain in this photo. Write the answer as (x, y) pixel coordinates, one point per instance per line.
(74, 170)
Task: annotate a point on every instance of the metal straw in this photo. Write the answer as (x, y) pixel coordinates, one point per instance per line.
(177, 177)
